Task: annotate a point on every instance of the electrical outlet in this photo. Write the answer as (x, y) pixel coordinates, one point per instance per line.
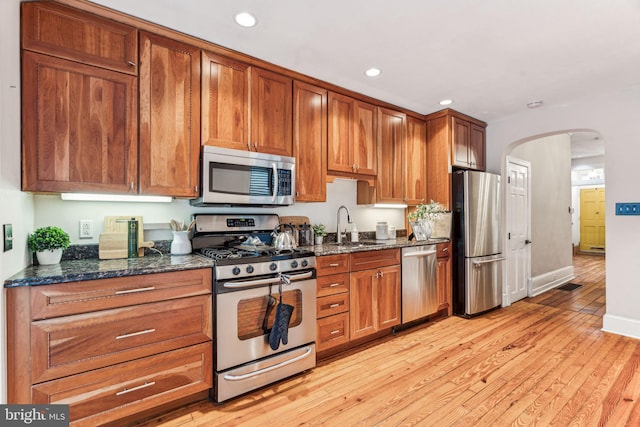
(8, 236)
(86, 228)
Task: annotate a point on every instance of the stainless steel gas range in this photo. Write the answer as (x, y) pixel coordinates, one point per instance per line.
(251, 282)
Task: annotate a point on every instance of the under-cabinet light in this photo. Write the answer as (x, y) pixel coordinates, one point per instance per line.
(93, 197)
(390, 205)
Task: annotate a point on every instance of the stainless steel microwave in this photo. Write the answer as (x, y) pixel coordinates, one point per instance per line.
(237, 177)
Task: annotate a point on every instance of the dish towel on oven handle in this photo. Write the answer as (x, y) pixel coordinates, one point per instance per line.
(280, 328)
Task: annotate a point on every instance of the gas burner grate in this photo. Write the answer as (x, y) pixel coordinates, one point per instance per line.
(220, 254)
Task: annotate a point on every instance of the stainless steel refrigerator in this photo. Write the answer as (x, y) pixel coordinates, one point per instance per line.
(477, 242)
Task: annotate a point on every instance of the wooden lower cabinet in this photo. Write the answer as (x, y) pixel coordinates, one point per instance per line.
(111, 348)
(375, 300)
(444, 276)
(122, 390)
(332, 304)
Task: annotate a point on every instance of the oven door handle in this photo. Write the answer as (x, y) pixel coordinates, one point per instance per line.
(230, 377)
(266, 281)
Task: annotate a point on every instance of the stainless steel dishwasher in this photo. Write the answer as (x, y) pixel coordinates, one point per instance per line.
(419, 291)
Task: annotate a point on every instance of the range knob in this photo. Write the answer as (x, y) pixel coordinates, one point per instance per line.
(250, 269)
(305, 263)
(236, 271)
(294, 264)
(273, 266)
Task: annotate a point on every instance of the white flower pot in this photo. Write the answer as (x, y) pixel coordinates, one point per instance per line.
(49, 257)
(319, 240)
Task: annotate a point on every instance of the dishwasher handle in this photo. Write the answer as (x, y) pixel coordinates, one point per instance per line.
(419, 254)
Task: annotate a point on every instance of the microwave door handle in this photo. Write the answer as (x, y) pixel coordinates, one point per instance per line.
(275, 180)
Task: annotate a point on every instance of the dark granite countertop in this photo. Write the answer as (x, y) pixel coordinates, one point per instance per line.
(369, 245)
(89, 269)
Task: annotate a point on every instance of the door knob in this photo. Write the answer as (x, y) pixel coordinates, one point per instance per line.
(527, 242)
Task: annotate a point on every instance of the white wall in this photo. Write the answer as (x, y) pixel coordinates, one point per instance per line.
(16, 208)
(614, 116)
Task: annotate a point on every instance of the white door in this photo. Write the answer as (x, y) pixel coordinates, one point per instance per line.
(518, 226)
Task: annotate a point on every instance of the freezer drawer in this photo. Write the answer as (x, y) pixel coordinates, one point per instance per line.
(483, 283)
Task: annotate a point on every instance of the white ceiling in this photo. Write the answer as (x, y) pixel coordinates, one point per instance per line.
(491, 57)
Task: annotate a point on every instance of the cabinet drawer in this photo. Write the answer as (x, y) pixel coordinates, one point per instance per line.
(331, 285)
(374, 259)
(70, 345)
(332, 304)
(118, 391)
(332, 264)
(67, 33)
(332, 331)
(82, 297)
(443, 250)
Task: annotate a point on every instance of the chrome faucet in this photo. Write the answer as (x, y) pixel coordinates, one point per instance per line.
(339, 233)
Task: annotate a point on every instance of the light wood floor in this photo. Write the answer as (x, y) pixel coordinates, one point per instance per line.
(543, 361)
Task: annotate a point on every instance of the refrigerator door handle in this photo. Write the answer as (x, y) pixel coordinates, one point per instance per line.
(479, 263)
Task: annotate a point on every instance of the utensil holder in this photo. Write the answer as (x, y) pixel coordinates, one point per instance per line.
(181, 245)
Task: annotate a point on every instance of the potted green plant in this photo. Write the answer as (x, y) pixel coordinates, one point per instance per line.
(319, 231)
(48, 244)
(421, 220)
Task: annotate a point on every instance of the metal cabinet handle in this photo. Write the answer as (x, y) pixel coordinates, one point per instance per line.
(337, 331)
(333, 285)
(132, 291)
(129, 390)
(134, 334)
(334, 305)
(334, 265)
(133, 64)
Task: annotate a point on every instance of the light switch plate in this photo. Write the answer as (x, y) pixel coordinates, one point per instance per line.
(8, 236)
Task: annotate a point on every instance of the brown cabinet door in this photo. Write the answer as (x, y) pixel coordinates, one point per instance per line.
(443, 274)
(271, 104)
(415, 184)
(68, 33)
(391, 161)
(374, 259)
(477, 147)
(225, 102)
(79, 127)
(439, 161)
(460, 142)
(169, 117)
(332, 264)
(310, 142)
(364, 138)
(340, 134)
(332, 331)
(362, 303)
(388, 290)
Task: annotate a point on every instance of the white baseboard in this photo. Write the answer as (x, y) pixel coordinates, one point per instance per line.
(550, 280)
(621, 326)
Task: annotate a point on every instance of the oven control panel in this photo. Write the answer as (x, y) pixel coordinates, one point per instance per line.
(273, 267)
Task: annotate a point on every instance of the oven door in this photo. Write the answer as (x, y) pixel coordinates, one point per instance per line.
(243, 177)
(245, 316)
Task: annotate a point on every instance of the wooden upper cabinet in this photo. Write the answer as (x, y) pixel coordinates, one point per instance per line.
(477, 144)
(79, 127)
(467, 144)
(169, 117)
(225, 102)
(415, 184)
(340, 143)
(58, 30)
(271, 116)
(391, 160)
(352, 136)
(364, 138)
(310, 142)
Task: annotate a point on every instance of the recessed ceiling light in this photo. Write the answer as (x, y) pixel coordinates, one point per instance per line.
(373, 72)
(534, 104)
(245, 19)
(446, 102)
